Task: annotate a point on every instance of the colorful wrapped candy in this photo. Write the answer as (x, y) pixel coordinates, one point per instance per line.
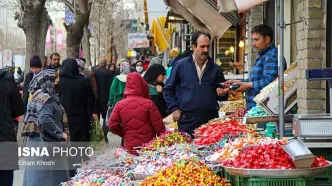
(166, 139)
(215, 132)
(185, 172)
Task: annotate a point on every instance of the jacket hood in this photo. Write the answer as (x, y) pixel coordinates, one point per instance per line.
(136, 85)
(69, 68)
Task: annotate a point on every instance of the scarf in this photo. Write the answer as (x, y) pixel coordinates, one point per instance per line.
(124, 68)
(44, 82)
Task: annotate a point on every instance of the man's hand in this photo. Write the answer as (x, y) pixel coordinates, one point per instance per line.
(65, 137)
(176, 115)
(222, 92)
(244, 86)
(230, 82)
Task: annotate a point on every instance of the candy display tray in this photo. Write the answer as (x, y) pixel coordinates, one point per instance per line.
(282, 173)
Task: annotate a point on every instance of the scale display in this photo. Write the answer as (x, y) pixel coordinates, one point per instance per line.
(319, 74)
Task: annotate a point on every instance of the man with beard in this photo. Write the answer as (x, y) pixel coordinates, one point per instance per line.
(265, 69)
(55, 62)
(192, 90)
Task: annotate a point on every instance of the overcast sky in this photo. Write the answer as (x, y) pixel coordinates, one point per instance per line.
(158, 9)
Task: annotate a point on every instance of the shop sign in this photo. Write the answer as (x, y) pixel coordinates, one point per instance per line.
(138, 40)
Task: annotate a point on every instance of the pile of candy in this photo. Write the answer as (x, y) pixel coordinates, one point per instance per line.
(233, 106)
(98, 177)
(157, 160)
(233, 148)
(166, 139)
(214, 132)
(239, 113)
(263, 156)
(256, 111)
(319, 162)
(185, 172)
(173, 125)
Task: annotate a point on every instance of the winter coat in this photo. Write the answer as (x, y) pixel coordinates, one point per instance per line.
(11, 106)
(50, 119)
(76, 96)
(103, 79)
(136, 118)
(186, 92)
(117, 89)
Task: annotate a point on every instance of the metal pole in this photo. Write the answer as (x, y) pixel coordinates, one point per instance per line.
(281, 72)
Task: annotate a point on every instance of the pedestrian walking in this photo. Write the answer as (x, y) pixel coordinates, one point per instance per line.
(45, 122)
(11, 106)
(155, 77)
(136, 118)
(103, 79)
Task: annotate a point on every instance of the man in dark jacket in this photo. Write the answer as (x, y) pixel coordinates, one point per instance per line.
(11, 106)
(103, 79)
(36, 67)
(192, 90)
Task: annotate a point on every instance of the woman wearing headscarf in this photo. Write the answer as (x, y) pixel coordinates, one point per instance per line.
(76, 96)
(45, 121)
(154, 61)
(119, 84)
(155, 77)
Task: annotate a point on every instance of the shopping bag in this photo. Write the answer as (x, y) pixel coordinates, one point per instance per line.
(97, 138)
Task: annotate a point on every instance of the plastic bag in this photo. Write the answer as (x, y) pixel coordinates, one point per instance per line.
(97, 138)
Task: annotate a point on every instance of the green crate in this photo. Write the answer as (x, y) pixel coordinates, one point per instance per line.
(325, 152)
(274, 182)
(235, 180)
(324, 179)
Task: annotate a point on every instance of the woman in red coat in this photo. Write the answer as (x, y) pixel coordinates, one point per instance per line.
(136, 118)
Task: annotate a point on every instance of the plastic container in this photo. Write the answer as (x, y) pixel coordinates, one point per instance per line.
(235, 180)
(274, 182)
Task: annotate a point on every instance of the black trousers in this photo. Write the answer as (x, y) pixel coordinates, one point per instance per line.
(102, 107)
(6, 177)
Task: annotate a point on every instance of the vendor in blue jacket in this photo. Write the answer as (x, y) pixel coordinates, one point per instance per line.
(192, 90)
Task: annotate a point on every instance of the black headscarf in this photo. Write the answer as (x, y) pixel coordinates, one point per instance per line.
(69, 68)
(153, 72)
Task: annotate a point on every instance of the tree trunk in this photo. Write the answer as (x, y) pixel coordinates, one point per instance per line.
(34, 20)
(73, 45)
(114, 54)
(86, 46)
(75, 31)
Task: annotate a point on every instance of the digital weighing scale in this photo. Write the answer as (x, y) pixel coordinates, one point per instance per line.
(316, 127)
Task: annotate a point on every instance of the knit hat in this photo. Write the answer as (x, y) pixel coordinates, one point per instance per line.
(36, 62)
